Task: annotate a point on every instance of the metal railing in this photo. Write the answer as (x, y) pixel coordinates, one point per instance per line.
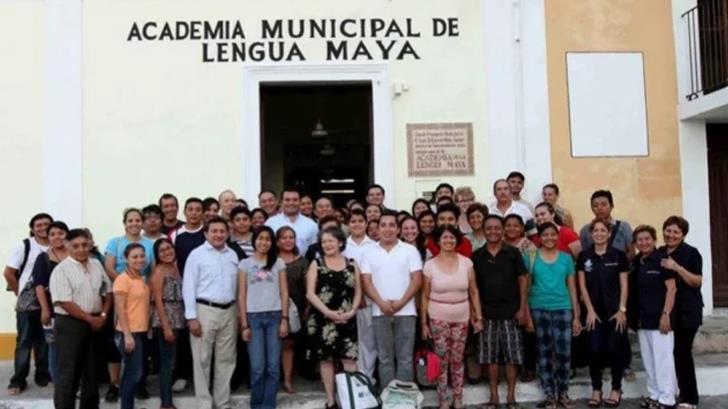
(707, 31)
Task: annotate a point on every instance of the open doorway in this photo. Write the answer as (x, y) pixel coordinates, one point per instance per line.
(317, 137)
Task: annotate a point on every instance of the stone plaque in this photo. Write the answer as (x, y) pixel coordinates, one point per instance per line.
(440, 149)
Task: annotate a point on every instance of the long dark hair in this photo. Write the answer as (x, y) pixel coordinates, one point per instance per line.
(420, 241)
(272, 255)
(158, 244)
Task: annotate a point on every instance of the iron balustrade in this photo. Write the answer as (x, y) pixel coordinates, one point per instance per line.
(707, 32)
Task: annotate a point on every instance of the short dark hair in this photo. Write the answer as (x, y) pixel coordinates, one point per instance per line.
(328, 219)
(678, 221)
(388, 213)
(35, 218)
(167, 196)
(291, 189)
(424, 214)
(258, 210)
(419, 200)
(357, 212)
(515, 216)
(241, 202)
(553, 186)
(644, 228)
(440, 230)
(130, 210)
(76, 233)
(338, 235)
(239, 210)
(208, 202)
(477, 207)
(441, 199)
(375, 186)
(57, 225)
(158, 244)
(216, 220)
(153, 209)
(267, 191)
(502, 220)
(449, 207)
(548, 225)
(603, 193)
(446, 186)
(193, 199)
(516, 174)
(131, 247)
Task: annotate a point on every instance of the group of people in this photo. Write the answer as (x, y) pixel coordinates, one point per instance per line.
(234, 294)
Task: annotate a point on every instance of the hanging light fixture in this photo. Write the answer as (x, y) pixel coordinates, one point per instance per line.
(319, 131)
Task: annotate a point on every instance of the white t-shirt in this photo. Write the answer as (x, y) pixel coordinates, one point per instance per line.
(355, 251)
(391, 273)
(16, 259)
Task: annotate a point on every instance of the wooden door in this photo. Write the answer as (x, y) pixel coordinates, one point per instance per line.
(718, 186)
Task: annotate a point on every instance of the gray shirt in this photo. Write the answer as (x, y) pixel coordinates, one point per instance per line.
(622, 236)
(263, 289)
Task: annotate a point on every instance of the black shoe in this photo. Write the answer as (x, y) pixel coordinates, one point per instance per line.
(42, 381)
(112, 394)
(142, 392)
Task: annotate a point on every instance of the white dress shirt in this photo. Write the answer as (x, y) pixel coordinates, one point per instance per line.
(210, 274)
(305, 228)
(519, 209)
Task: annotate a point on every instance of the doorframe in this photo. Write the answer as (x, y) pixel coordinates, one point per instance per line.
(376, 74)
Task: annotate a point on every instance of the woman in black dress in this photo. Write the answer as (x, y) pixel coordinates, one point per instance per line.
(334, 290)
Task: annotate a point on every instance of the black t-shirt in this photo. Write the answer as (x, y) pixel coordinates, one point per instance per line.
(42, 270)
(184, 244)
(497, 279)
(649, 278)
(234, 246)
(602, 278)
(688, 300)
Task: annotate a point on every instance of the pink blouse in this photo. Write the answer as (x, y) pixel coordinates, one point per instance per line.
(449, 297)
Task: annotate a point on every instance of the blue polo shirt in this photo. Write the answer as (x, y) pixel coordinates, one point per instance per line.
(688, 300)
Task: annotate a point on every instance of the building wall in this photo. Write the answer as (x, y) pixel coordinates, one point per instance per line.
(646, 189)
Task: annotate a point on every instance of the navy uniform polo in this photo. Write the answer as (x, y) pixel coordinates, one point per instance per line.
(602, 278)
(688, 300)
(649, 279)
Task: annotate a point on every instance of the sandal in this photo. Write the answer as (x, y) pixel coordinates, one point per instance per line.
(513, 405)
(491, 405)
(595, 402)
(548, 403)
(646, 402)
(612, 403)
(566, 402)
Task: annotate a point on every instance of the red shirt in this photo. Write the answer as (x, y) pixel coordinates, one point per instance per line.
(465, 248)
(566, 237)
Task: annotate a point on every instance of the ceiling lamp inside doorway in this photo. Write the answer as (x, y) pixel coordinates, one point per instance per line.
(319, 131)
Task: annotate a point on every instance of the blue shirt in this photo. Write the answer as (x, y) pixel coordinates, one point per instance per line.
(116, 248)
(210, 274)
(549, 290)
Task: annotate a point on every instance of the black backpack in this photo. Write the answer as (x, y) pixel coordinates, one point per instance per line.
(26, 254)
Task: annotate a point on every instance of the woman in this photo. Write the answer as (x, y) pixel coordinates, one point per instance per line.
(296, 267)
(550, 194)
(464, 198)
(307, 206)
(410, 234)
(42, 270)
(687, 263)
(426, 223)
(210, 208)
(555, 311)
(449, 297)
(226, 201)
(115, 264)
(374, 212)
(263, 308)
(476, 215)
(333, 287)
(514, 233)
(418, 206)
(131, 301)
(168, 314)
(603, 273)
(568, 239)
(373, 229)
(652, 294)
(258, 217)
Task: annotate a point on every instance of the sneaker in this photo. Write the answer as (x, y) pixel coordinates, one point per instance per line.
(179, 385)
(142, 392)
(112, 394)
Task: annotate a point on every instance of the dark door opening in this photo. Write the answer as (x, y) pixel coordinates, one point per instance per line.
(318, 138)
(718, 186)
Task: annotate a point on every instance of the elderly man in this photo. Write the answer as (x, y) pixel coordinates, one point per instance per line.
(268, 201)
(209, 290)
(505, 205)
(79, 286)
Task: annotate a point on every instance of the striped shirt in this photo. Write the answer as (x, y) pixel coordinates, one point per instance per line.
(82, 284)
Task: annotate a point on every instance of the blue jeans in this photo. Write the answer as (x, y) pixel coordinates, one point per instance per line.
(265, 358)
(52, 353)
(167, 354)
(30, 338)
(132, 369)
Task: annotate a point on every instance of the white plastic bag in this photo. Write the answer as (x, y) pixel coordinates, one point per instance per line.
(354, 391)
(402, 395)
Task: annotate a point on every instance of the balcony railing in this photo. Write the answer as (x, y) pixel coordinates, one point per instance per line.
(707, 31)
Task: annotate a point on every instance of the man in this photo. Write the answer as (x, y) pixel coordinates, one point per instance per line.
(357, 243)
(505, 205)
(241, 233)
(305, 228)
(209, 290)
(323, 207)
(82, 299)
(392, 275)
(170, 207)
(314, 250)
(449, 214)
(268, 201)
(502, 284)
(375, 196)
(516, 180)
(602, 204)
(30, 337)
(153, 216)
(444, 190)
